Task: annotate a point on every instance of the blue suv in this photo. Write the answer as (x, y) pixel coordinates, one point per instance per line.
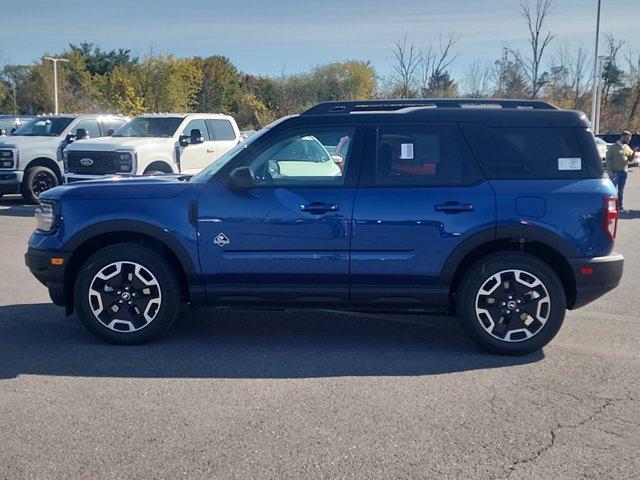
(492, 210)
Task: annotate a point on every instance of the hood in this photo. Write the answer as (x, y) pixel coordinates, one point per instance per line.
(18, 141)
(119, 187)
(110, 144)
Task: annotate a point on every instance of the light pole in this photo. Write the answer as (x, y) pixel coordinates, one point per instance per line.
(55, 79)
(596, 73)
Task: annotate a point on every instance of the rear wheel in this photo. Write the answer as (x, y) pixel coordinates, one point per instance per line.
(511, 303)
(126, 294)
(38, 180)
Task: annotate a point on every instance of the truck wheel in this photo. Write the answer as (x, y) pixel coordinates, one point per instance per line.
(511, 303)
(126, 294)
(36, 181)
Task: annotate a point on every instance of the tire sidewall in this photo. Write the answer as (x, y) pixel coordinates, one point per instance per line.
(480, 272)
(150, 260)
(27, 187)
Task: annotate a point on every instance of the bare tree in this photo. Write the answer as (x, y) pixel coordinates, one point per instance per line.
(612, 75)
(539, 40)
(434, 64)
(407, 61)
(633, 61)
(478, 81)
(569, 78)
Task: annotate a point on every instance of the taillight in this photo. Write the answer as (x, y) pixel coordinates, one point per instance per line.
(611, 215)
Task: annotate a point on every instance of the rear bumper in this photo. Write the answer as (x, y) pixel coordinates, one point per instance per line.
(51, 276)
(10, 181)
(595, 277)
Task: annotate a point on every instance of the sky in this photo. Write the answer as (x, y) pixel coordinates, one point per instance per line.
(271, 37)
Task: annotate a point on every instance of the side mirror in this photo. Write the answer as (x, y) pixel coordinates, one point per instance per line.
(69, 138)
(13, 129)
(2, 132)
(110, 132)
(337, 159)
(81, 134)
(242, 178)
(195, 137)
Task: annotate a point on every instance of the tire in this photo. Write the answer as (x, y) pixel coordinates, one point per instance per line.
(503, 325)
(36, 181)
(152, 287)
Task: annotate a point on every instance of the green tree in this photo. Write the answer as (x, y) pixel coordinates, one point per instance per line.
(221, 85)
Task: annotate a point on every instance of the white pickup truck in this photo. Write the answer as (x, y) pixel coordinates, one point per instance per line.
(31, 157)
(152, 144)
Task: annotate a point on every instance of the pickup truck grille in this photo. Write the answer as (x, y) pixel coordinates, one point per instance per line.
(103, 162)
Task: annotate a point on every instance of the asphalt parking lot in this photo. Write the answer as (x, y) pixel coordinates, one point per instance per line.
(291, 395)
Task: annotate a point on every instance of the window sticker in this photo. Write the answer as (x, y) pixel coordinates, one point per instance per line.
(406, 151)
(570, 163)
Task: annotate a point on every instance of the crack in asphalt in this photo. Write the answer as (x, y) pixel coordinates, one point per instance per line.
(607, 402)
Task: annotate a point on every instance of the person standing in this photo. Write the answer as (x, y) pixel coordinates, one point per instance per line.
(619, 155)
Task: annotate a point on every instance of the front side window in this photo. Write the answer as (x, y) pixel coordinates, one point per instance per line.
(196, 125)
(419, 155)
(91, 126)
(221, 130)
(307, 158)
(44, 127)
(164, 127)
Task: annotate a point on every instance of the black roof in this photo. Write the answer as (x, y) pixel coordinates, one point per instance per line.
(491, 112)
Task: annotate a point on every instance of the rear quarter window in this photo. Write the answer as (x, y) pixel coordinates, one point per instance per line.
(535, 153)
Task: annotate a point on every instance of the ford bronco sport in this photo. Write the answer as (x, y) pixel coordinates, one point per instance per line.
(493, 210)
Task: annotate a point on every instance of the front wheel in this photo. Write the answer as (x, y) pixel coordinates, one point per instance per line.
(38, 180)
(511, 303)
(127, 294)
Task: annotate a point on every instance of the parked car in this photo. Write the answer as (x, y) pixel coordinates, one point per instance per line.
(10, 123)
(602, 147)
(31, 157)
(154, 144)
(499, 215)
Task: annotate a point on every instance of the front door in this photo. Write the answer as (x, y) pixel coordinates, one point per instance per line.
(195, 157)
(287, 239)
(421, 195)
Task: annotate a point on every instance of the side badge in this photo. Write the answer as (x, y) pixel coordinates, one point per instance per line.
(221, 240)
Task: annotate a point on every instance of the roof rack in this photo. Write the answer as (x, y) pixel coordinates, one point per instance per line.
(327, 108)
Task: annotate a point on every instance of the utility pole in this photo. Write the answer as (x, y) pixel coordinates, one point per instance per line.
(596, 74)
(55, 79)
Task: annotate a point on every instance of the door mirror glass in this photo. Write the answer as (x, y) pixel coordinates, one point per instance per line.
(81, 134)
(13, 129)
(242, 178)
(195, 137)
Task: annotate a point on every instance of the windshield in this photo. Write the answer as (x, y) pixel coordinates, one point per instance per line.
(206, 174)
(150, 127)
(44, 127)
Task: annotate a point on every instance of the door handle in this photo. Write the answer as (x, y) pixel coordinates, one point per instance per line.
(211, 150)
(319, 208)
(454, 207)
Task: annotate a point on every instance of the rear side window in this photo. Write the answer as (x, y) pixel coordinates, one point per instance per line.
(221, 130)
(422, 155)
(534, 153)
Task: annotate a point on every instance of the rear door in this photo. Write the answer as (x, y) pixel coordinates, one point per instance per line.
(421, 195)
(223, 134)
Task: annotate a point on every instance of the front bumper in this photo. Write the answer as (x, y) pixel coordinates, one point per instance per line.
(79, 177)
(10, 181)
(595, 277)
(40, 263)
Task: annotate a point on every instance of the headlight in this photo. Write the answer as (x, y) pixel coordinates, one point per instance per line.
(124, 162)
(46, 218)
(6, 158)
